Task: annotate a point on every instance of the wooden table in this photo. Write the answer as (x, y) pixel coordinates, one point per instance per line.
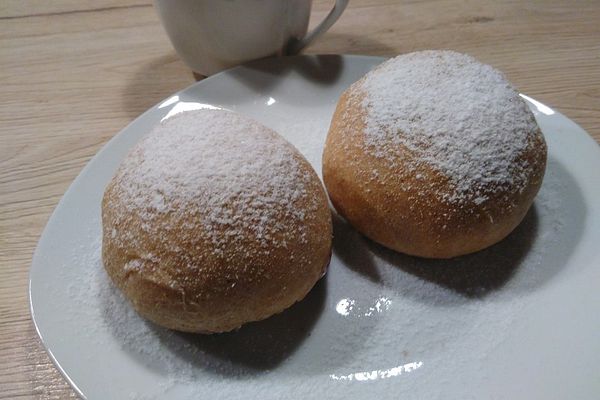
(74, 72)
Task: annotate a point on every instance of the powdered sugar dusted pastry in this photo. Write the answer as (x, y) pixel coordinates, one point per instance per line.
(433, 154)
(212, 221)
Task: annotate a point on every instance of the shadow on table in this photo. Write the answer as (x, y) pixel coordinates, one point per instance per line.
(153, 81)
(348, 43)
(316, 69)
(157, 78)
(260, 75)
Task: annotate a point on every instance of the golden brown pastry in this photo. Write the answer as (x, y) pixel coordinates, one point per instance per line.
(212, 221)
(433, 154)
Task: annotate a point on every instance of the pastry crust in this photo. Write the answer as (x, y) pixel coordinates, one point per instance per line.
(184, 268)
(401, 202)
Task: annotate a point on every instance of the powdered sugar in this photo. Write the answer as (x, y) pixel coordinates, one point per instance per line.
(217, 174)
(453, 114)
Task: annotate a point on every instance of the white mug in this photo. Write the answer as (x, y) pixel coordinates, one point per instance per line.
(212, 35)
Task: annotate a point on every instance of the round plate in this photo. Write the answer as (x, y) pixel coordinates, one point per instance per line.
(518, 320)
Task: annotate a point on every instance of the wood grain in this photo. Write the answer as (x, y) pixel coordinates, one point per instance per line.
(73, 73)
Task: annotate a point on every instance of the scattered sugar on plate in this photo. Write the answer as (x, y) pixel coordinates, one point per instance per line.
(398, 319)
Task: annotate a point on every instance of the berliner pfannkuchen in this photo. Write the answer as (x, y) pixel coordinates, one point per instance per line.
(433, 154)
(212, 221)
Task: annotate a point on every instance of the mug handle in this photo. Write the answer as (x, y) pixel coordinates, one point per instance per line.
(337, 10)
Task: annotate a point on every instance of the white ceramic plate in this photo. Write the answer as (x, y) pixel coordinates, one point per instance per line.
(519, 320)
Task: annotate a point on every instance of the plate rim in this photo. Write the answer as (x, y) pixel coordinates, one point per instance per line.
(35, 260)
